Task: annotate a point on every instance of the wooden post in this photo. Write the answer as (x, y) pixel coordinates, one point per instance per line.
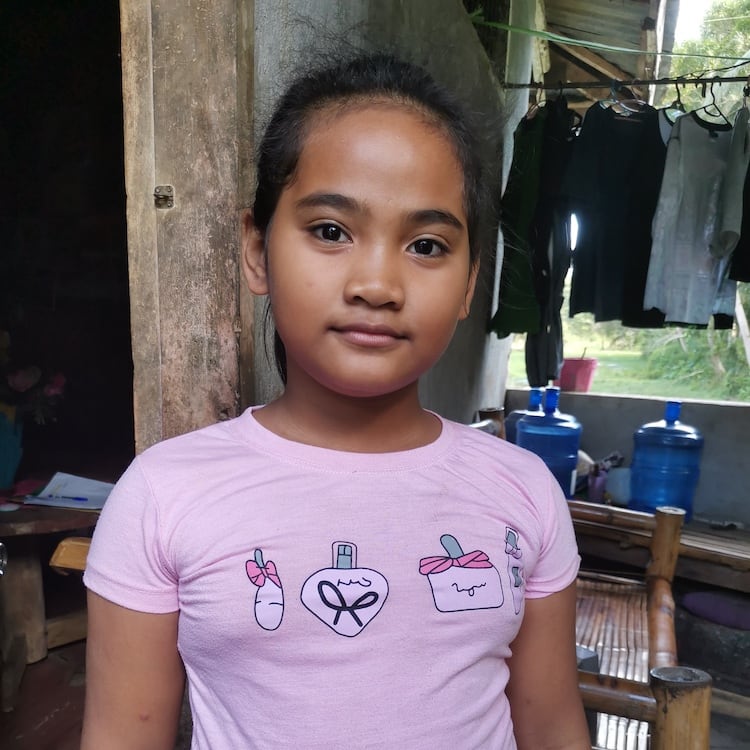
(665, 548)
(662, 642)
(23, 596)
(683, 715)
(181, 134)
(665, 545)
(615, 695)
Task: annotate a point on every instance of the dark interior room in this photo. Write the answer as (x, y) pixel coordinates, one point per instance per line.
(63, 259)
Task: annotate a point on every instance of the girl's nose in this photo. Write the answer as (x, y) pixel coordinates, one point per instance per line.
(374, 278)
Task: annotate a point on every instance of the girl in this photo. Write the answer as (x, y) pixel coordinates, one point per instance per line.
(341, 568)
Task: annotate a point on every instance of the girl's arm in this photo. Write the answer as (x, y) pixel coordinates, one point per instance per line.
(134, 679)
(543, 689)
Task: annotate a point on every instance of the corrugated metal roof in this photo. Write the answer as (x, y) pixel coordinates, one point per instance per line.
(646, 25)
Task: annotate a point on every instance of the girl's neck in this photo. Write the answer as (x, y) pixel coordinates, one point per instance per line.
(383, 424)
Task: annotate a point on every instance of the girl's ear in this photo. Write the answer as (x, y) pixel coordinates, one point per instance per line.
(470, 287)
(253, 255)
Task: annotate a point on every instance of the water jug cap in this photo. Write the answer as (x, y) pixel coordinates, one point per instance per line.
(535, 398)
(672, 411)
(551, 399)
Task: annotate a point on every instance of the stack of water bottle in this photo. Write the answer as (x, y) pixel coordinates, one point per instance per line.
(666, 453)
(555, 437)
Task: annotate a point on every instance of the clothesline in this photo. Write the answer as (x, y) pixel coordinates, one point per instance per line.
(631, 82)
(559, 38)
(571, 41)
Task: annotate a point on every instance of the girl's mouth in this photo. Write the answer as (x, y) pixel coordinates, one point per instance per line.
(372, 336)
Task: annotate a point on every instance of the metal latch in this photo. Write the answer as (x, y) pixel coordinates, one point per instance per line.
(164, 196)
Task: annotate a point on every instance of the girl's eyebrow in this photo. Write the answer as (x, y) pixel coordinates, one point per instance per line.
(330, 200)
(434, 216)
(345, 203)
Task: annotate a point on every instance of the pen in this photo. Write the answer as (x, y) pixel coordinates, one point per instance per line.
(67, 497)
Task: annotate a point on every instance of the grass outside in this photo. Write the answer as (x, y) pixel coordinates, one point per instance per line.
(670, 362)
(620, 372)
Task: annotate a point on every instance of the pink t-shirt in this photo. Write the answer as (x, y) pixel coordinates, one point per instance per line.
(338, 600)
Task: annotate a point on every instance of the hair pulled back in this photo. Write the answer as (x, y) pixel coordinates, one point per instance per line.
(363, 79)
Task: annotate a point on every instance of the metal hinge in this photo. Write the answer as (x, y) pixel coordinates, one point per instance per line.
(164, 196)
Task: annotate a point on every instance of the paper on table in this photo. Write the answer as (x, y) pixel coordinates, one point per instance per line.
(70, 491)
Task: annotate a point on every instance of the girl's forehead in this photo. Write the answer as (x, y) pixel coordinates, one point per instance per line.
(382, 127)
(360, 108)
(382, 157)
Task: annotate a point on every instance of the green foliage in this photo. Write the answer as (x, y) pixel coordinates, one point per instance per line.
(725, 39)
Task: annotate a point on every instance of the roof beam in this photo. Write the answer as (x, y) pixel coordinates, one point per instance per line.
(590, 58)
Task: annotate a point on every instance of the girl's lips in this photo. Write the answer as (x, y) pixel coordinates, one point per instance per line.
(369, 336)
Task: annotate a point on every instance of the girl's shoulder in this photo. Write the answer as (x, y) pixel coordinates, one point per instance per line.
(488, 446)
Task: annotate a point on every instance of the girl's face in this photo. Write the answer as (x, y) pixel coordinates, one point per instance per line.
(367, 255)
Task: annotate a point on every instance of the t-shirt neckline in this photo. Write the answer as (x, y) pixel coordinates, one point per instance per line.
(345, 462)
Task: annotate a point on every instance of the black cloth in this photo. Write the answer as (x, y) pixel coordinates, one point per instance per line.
(535, 231)
(739, 270)
(551, 247)
(613, 183)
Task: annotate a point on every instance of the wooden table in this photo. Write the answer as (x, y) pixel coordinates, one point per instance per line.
(720, 557)
(25, 632)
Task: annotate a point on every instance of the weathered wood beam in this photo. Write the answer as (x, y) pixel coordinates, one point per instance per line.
(594, 61)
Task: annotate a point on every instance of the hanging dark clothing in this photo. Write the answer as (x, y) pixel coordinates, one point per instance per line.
(613, 183)
(537, 250)
(518, 309)
(739, 270)
(544, 350)
(551, 247)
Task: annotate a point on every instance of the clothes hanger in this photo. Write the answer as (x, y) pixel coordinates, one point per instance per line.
(630, 101)
(677, 103)
(623, 101)
(539, 101)
(712, 109)
(676, 108)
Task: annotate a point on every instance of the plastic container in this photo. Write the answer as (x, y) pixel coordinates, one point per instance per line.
(555, 438)
(666, 463)
(534, 409)
(577, 374)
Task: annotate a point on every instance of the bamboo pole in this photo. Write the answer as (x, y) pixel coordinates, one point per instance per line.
(665, 544)
(613, 695)
(611, 515)
(662, 643)
(683, 716)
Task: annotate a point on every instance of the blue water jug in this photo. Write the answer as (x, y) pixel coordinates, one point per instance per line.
(666, 463)
(555, 438)
(534, 409)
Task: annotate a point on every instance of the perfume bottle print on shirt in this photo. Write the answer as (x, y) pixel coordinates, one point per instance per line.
(515, 567)
(269, 597)
(344, 597)
(461, 581)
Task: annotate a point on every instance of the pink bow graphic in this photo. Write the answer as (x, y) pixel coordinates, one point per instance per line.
(259, 573)
(438, 564)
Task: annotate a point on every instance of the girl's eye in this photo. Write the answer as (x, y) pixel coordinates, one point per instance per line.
(329, 233)
(427, 248)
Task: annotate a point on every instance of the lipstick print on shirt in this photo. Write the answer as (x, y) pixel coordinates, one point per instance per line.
(344, 597)
(269, 597)
(461, 580)
(515, 567)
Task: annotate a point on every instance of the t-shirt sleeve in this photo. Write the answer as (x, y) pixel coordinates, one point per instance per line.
(127, 563)
(558, 561)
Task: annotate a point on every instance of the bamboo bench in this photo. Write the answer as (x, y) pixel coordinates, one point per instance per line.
(644, 698)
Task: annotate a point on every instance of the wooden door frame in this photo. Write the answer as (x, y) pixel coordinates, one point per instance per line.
(187, 99)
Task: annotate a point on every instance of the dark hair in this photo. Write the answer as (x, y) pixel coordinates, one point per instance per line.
(364, 79)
